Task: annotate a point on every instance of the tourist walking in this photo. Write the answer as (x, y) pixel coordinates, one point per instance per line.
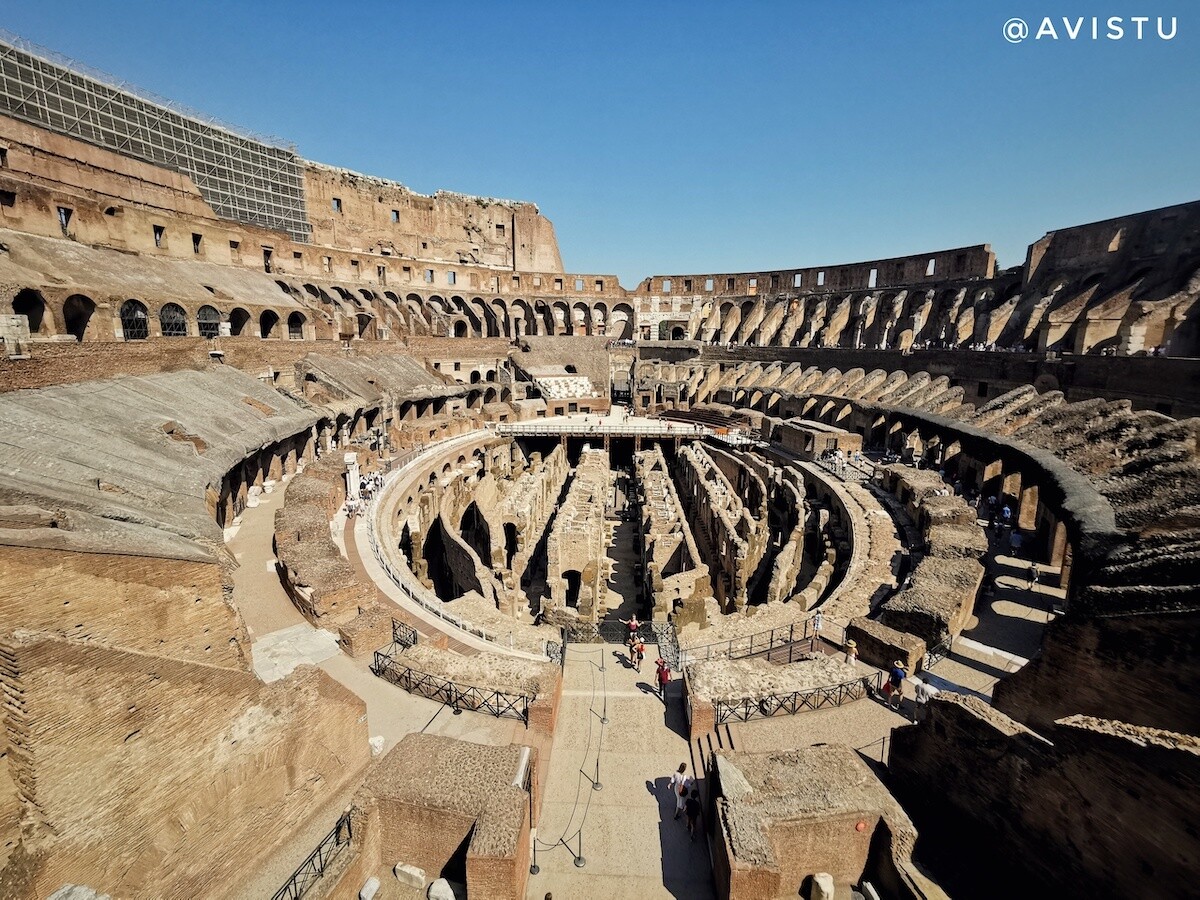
(663, 677)
(851, 652)
(894, 689)
(818, 622)
(1034, 573)
(691, 809)
(639, 654)
(681, 786)
(922, 694)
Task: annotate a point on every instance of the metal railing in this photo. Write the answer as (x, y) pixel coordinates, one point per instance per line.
(313, 869)
(744, 709)
(403, 634)
(457, 696)
(935, 655)
(418, 593)
(750, 644)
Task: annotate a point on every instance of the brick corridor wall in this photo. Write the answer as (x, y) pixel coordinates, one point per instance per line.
(1099, 812)
(168, 607)
(167, 778)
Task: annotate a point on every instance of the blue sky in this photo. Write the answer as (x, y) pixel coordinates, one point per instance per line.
(694, 137)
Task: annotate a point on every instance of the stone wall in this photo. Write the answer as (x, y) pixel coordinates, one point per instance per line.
(170, 607)
(193, 774)
(1135, 668)
(1099, 809)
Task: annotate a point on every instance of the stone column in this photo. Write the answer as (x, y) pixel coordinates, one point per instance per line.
(351, 460)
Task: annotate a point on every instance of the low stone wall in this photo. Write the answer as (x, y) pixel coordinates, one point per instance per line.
(321, 583)
(880, 646)
(738, 681)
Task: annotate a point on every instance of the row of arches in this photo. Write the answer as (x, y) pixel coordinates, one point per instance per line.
(174, 322)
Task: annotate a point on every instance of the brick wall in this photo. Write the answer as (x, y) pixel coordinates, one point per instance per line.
(168, 607)
(1104, 811)
(192, 774)
(1138, 669)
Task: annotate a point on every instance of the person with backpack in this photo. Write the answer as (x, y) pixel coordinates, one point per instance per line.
(894, 688)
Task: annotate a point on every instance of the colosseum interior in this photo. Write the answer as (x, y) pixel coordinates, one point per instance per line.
(325, 507)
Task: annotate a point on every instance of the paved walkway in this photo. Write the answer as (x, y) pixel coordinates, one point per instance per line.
(632, 847)
(275, 625)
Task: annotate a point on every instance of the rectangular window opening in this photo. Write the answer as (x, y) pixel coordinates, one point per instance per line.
(429, 276)
(381, 274)
(930, 267)
(64, 218)
(451, 278)
(729, 284)
(159, 231)
(8, 198)
(395, 216)
(337, 204)
(499, 229)
(666, 286)
(197, 240)
(599, 285)
(872, 278)
(327, 265)
(558, 284)
(798, 279)
(820, 279)
(708, 284)
(578, 284)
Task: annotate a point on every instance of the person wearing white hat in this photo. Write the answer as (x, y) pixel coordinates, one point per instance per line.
(851, 652)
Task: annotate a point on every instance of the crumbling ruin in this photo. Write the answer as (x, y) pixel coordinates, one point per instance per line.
(331, 411)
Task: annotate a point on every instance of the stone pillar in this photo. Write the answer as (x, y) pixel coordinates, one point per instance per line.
(1027, 513)
(351, 460)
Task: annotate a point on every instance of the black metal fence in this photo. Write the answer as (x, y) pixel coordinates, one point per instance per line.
(935, 655)
(388, 666)
(404, 635)
(313, 869)
(794, 633)
(660, 633)
(746, 708)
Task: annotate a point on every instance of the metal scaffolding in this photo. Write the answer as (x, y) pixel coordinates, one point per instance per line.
(244, 177)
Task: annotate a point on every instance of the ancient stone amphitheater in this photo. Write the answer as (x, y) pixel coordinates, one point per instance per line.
(325, 507)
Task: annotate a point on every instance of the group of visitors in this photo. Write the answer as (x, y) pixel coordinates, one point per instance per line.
(368, 485)
(893, 690)
(637, 655)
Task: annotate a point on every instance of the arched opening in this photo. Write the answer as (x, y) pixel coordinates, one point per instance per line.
(364, 321)
(406, 544)
(510, 543)
(476, 377)
(173, 320)
(135, 321)
(622, 322)
(574, 581)
(268, 324)
(208, 321)
(295, 325)
(678, 333)
(77, 314)
(30, 304)
(436, 564)
(238, 320)
(460, 329)
(476, 533)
